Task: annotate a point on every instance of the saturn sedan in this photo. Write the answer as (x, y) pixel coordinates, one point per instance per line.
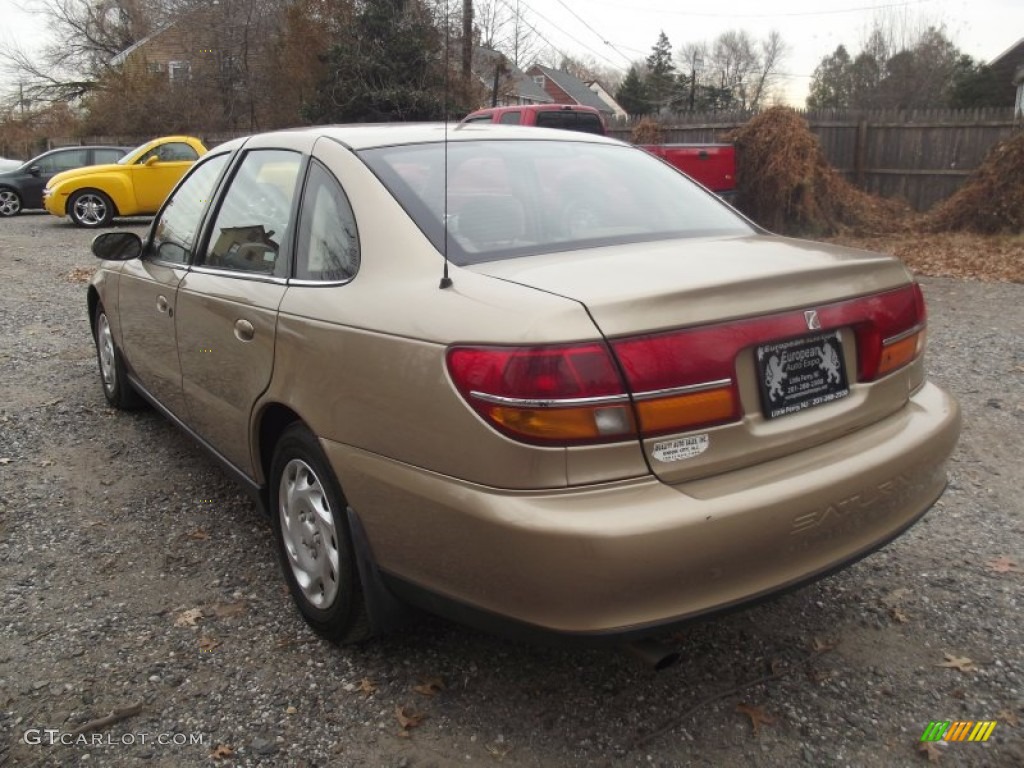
(535, 381)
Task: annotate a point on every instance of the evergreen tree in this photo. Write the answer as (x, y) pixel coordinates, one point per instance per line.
(832, 84)
(661, 71)
(390, 67)
(632, 94)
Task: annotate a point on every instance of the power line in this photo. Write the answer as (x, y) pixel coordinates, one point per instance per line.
(600, 37)
(735, 15)
(571, 37)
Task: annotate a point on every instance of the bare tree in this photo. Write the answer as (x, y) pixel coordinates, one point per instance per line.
(84, 36)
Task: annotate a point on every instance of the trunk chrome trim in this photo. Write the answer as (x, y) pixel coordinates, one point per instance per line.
(905, 335)
(573, 402)
(565, 402)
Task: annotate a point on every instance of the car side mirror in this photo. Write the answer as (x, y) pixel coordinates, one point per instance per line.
(151, 161)
(117, 246)
(35, 170)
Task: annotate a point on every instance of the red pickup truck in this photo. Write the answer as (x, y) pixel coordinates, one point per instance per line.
(713, 165)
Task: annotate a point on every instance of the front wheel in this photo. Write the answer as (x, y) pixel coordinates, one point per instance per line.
(312, 537)
(10, 202)
(90, 208)
(116, 387)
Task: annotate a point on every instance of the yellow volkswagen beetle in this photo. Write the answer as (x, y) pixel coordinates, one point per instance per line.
(135, 186)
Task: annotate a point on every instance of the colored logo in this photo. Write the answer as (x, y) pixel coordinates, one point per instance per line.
(960, 730)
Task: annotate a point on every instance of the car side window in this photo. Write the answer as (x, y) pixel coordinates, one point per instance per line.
(510, 118)
(175, 232)
(64, 161)
(175, 151)
(104, 156)
(481, 119)
(252, 222)
(328, 240)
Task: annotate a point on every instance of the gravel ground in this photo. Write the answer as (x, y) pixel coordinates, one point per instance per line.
(135, 573)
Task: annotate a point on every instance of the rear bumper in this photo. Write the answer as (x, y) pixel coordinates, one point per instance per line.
(632, 556)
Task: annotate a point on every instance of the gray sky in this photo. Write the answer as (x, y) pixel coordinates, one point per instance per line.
(617, 31)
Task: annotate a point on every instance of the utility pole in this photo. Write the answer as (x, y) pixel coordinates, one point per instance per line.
(467, 40)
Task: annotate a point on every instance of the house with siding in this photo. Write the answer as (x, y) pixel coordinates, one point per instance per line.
(1009, 67)
(504, 83)
(564, 88)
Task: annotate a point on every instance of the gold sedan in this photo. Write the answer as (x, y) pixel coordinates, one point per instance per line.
(536, 381)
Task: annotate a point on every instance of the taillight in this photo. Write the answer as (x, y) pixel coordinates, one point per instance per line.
(682, 380)
(892, 334)
(676, 381)
(566, 394)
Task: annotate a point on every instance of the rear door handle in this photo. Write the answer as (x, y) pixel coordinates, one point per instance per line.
(244, 330)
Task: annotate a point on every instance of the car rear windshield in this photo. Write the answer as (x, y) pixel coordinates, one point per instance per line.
(570, 120)
(518, 198)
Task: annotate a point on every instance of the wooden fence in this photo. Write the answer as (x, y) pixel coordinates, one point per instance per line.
(922, 156)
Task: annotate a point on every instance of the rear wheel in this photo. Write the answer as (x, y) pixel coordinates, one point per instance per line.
(116, 387)
(90, 208)
(10, 202)
(313, 540)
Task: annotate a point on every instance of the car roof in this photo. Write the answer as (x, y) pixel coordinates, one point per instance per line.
(368, 136)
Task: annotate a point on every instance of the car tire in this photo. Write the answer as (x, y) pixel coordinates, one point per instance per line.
(90, 208)
(113, 373)
(10, 202)
(314, 545)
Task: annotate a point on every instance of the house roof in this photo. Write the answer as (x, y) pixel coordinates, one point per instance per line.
(1010, 63)
(575, 87)
(484, 61)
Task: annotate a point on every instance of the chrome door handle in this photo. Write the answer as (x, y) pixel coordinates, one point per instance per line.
(161, 304)
(244, 330)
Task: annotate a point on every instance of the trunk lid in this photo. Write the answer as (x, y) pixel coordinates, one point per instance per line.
(757, 288)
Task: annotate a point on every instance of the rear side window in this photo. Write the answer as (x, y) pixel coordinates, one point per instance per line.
(64, 161)
(510, 118)
(253, 218)
(104, 156)
(328, 246)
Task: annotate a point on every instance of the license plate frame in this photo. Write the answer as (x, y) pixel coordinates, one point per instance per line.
(801, 373)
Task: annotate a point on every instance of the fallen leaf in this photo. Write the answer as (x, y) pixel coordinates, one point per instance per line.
(208, 643)
(929, 750)
(229, 610)
(821, 646)
(188, 618)
(222, 752)
(80, 274)
(291, 711)
(959, 663)
(407, 718)
(367, 687)
(1008, 717)
(757, 716)
(5, 461)
(498, 751)
(199, 535)
(46, 463)
(897, 615)
(429, 686)
(1002, 564)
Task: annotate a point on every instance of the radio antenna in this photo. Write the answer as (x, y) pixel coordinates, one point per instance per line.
(446, 281)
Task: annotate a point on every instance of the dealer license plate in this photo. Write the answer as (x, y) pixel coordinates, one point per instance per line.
(801, 373)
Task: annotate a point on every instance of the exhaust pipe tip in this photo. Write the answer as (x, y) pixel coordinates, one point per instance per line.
(653, 654)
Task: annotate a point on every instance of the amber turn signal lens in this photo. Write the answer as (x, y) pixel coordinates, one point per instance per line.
(675, 414)
(896, 354)
(565, 424)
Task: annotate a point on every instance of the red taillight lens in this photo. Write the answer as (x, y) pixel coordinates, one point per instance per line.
(892, 333)
(563, 394)
(682, 380)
